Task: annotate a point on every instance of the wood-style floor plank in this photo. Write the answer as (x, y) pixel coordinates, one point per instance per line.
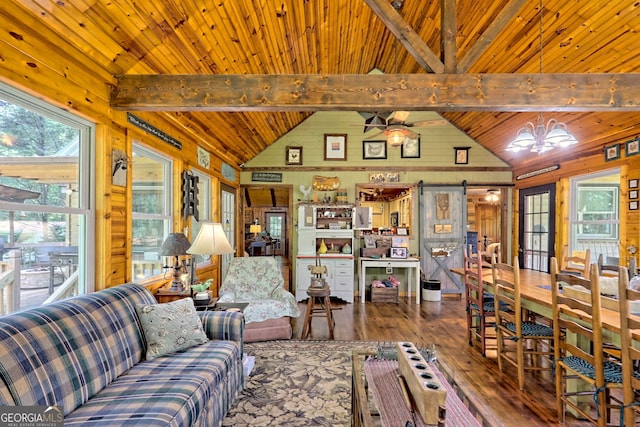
(444, 323)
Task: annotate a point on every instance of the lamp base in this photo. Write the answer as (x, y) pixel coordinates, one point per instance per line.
(176, 287)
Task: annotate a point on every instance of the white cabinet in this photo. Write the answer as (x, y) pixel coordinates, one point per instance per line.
(331, 224)
(339, 277)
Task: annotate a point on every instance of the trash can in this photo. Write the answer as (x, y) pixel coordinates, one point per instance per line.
(431, 290)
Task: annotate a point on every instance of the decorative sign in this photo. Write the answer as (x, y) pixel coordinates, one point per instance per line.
(266, 176)
(204, 158)
(148, 127)
(538, 172)
(228, 172)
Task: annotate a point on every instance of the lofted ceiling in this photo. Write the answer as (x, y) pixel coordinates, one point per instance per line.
(317, 38)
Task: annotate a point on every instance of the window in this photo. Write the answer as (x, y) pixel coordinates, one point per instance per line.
(151, 209)
(595, 214)
(204, 208)
(46, 210)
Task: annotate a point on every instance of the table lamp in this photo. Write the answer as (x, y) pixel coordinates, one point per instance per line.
(175, 245)
(255, 229)
(210, 240)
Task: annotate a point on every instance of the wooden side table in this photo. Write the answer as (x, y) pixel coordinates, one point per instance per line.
(163, 296)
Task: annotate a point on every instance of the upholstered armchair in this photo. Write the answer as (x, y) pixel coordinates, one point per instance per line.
(258, 281)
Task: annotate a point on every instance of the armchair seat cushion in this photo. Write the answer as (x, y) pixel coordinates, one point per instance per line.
(258, 281)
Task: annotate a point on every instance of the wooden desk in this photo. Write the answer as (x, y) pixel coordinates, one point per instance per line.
(413, 264)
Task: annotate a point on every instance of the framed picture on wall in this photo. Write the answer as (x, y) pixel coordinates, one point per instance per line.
(410, 148)
(335, 146)
(633, 205)
(632, 147)
(633, 183)
(633, 194)
(374, 149)
(611, 152)
(293, 156)
(461, 155)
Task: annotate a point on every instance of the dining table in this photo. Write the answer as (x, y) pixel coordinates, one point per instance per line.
(535, 294)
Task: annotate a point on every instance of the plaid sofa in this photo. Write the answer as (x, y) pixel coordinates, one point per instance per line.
(86, 355)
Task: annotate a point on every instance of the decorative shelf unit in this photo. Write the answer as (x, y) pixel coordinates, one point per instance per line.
(332, 224)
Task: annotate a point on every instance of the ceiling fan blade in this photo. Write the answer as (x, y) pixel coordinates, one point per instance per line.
(377, 134)
(400, 116)
(426, 123)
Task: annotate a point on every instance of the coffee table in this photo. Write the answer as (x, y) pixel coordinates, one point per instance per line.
(366, 413)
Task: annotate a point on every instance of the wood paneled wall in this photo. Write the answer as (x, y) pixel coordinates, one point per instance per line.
(66, 78)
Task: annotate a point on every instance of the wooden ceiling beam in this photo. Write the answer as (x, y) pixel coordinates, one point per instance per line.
(379, 92)
(406, 35)
(494, 30)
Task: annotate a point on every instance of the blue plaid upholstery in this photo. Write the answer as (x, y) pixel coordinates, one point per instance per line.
(86, 354)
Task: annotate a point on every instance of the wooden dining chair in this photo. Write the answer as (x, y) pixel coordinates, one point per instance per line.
(525, 344)
(630, 349)
(576, 322)
(606, 268)
(575, 264)
(478, 305)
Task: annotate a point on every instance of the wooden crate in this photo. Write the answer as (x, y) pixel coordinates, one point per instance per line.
(383, 294)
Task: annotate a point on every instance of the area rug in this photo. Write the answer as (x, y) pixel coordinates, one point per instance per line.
(297, 383)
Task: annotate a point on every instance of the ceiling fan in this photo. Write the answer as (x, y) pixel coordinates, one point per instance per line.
(394, 125)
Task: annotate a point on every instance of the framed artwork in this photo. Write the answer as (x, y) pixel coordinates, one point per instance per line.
(632, 147)
(410, 148)
(399, 253)
(335, 146)
(402, 231)
(369, 242)
(633, 205)
(293, 156)
(633, 183)
(394, 219)
(461, 155)
(611, 152)
(374, 149)
(399, 242)
(633, 194)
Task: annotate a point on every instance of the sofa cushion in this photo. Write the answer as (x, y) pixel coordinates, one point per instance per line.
(173, 390)
(170, 327)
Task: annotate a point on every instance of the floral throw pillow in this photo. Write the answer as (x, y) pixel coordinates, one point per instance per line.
(170, 327)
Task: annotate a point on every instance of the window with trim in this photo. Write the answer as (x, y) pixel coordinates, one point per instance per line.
(46, 210)
(151, 201)
(204, 208)
(595, 214)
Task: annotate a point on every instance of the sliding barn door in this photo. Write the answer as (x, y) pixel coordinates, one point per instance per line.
(443, 230)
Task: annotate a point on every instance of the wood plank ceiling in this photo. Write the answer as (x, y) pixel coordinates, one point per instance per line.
(318, 37)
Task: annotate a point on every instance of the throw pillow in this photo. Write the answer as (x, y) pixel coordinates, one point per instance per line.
(170, 327)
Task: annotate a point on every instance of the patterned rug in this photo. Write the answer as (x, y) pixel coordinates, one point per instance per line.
(297, 383)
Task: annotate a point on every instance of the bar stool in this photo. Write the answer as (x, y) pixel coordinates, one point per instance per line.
(322, 295)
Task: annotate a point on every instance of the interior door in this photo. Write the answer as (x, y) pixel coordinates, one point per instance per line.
(537, 227)
(443, 225)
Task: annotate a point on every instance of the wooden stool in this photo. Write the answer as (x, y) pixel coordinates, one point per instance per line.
(323, 296)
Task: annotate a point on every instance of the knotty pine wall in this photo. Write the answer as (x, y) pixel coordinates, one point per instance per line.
(629, 220)
(65, 77)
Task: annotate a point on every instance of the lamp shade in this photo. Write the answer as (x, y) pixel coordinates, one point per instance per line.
(210, 240)
(255, 228)
(175, 244)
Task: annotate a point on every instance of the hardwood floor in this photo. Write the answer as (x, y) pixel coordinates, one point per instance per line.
(444, 323)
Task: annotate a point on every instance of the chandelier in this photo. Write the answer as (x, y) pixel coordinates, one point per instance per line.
(539, 138)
